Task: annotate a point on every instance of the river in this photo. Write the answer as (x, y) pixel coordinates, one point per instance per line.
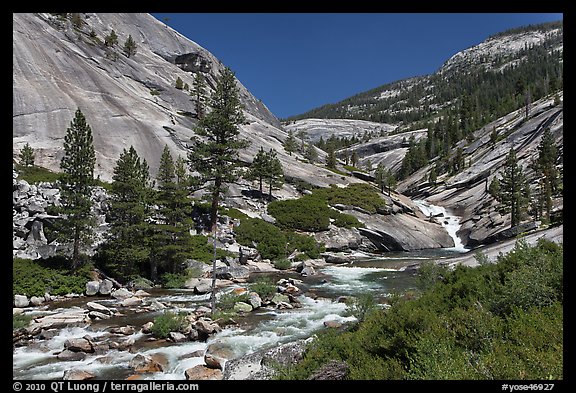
(380, 275)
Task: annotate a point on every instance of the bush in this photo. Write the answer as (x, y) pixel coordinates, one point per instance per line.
(202, 249)
(166, 323)
(264, 288)
(361, 195)
(461, 326)
(20, 321)
(34, 278)
(36, 174)
(282, 264)
(227, 300)
(343, 220)
(267, 238)
(306, 214)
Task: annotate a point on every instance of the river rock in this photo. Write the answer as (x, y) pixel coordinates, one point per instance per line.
(92, 288)
(98, 315)
(37, 300)
(141, 293)
(262, 364)
(145, 364)
(125, 330)
(121, 294)
(77, 375)
(177, 337)
(105, 287)
(203, 373)
(242, 307)
(79, 345)
(17, 311)
(147, 327)
(71, 356)
(21, 301)
(280, 298)
(131, 302)
(254, 300)
(217, 354)
(93, 306)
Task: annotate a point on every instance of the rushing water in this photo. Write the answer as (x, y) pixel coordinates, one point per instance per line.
(449, 221)
(380, 275)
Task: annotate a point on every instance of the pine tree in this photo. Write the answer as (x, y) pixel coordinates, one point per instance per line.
(215, 158)
(129, 46)
(380, 176)
(111, 39)
(290, 144)
(258, 169)
(354, 159)
(275, 174)
(311, 154)
(331, 159)
(27, 155)
(126, 249)
(514, 189)
(179, 84)
(546, 167)
(302, 135)
(76, 181)
(171, 241)
(199, 94)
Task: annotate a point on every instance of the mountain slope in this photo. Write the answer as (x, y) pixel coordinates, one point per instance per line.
(59, 67)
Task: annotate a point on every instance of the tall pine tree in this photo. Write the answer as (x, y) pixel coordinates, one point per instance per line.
(199, 94)
(214, 154)
(27, 155)
(126, 250)
(514, 189)
(76, 181)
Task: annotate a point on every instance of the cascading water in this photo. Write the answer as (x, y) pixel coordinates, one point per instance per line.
(449, 221)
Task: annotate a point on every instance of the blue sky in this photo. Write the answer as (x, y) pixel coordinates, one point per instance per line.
(295, 62)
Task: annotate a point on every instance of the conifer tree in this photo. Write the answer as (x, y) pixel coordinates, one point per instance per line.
(258, 169)
(199, 94)
(171, 243)
(215, 157)
(290, 144)
(514, 188)
(546, 167)
(380, 176)
(130, 46)
(331, 159)
(76, 181)
(111, 39)
(126, 249)
(27, 155)
(311, 154)
(179, 83)
(275, 174)
(354, 158)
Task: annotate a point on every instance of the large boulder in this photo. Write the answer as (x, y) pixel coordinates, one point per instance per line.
(92, 288)
(217, 354)
(202, 373)
(145, 364)
(263, 364)
(21, 301)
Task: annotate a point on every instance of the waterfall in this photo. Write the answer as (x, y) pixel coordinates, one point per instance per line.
(449, 221)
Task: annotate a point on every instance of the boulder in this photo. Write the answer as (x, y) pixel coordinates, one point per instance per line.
(121, 294)
(77, 375)
(254, 300)
(36, 300)
(92, 288)
(147, 327)
(280, 298)
(125, 330)
(203, 373)
(131, 302)
(242, 307)
(98, 315)
(79, 345)
(217, 354)
(263, 364)
(71, 356)
(177, 337)
(21, 301)
(105, 287)
(93, 306)
(145, 364)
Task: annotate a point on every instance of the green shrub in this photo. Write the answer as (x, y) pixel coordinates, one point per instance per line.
(20, 321)
(36, 174)
(166, 323)
(305, 244)
(264, 288)
(202, 249)
(461, 326)
(282, 264)
(361, 195)
(343, 220)
(227, 300)
(306, 214)
(267, 238)
(52, 275)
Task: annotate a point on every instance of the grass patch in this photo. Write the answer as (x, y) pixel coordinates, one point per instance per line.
(20, 321)
(36, 174)
(166, 323)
